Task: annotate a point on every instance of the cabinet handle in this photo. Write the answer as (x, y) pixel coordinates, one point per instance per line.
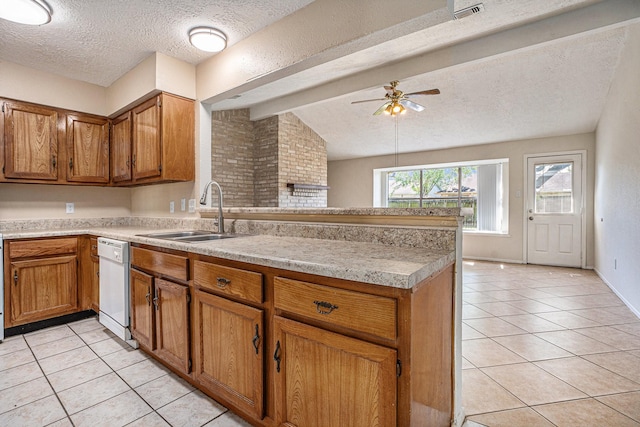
(133, 161)
(127, 161)
(98, 273)
(94, 247)
(147, 297)
(324, 307)
(155, 299)
(53, 161)
(256, 339)
(223, 283)
(276, 356)
(15, 277)
(71, 163)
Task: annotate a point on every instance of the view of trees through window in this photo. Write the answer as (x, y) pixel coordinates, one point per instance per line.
(480, 189)
(442, 187)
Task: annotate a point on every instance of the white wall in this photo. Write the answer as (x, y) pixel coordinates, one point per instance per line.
(351, 183)
(617, 185)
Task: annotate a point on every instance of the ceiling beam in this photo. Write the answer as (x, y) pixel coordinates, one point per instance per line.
(572, 23)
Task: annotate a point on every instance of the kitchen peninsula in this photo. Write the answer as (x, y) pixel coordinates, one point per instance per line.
(351, 310)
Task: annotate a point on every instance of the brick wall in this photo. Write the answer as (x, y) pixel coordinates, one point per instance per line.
(254, 161)
(302, 159)
(232, 156)
(266, 162)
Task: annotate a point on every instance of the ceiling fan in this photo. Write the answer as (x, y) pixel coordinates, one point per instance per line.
(398, 101)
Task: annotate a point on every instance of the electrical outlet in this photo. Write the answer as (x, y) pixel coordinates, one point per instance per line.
(70, 208)
(192, 205)
(172, 207)
(183, 205)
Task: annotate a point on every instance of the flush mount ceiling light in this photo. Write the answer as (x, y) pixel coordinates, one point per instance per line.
(30, 12)
(208, 39)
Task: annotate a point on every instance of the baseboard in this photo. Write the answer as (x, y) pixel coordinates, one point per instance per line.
(56, 321)
(615, 291)
(507, 261)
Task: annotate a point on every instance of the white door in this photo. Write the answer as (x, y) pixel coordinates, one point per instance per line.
(554, 210)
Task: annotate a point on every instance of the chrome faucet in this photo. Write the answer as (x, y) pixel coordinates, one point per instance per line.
(203, 201)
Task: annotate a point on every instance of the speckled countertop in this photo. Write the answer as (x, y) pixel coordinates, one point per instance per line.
(400, 267)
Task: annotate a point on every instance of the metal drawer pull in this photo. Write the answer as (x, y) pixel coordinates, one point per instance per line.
(324, 307)
(276, 356)
(222, 282)
(256, 339)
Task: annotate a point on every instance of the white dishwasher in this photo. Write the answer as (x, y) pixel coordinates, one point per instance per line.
(114, 287)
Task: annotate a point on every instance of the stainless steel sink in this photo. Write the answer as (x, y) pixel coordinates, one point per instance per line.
(206, 237)
(187, 236)
(175, 234)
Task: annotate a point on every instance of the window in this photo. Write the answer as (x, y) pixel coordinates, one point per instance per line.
(479, 187)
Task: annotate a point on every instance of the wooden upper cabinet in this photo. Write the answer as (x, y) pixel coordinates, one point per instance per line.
(147, 154)
(30, 141)
(87, 149)
(121, 128)
(163, 140)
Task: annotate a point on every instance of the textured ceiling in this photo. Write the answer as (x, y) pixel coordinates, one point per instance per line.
(97, 41)
(552, 78)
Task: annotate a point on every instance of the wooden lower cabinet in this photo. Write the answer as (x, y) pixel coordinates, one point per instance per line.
(43, 288)
(142, 318)
(40, 279)
(229, 341)
(171, 302)
(327, 379)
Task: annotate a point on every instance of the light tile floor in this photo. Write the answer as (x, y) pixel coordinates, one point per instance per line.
(79, 374)
(542, 346)
(547, 346)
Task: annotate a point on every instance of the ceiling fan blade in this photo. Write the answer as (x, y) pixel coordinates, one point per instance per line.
(411, 104)
(369, 100)
(382, 108)
(425, 92)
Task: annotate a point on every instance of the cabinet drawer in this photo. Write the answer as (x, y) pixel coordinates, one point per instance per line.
(37, 248)
(228, 281)
(367, 313)
(175, 266)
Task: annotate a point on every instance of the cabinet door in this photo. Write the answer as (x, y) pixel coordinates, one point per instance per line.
(327, 379)
(87, 149)
(142, 318)
(43, 288)
(172, 324)
(147, 139)
(31, 141)
(229, 351)
(121, 148)
(95, 284)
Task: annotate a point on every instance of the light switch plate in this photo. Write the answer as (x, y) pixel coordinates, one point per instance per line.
(192, 205)
(70, 208)
(172, 207)
(183, 205)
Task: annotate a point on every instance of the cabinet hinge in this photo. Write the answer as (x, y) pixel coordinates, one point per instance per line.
(160, 168)
(398, 368)
(188, 298)
(189, 365)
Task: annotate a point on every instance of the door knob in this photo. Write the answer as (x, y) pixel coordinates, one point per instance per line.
(530, 218)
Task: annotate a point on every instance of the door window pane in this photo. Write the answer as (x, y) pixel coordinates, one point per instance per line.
(554, 188)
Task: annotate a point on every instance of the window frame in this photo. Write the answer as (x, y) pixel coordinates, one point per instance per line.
(381, 187)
